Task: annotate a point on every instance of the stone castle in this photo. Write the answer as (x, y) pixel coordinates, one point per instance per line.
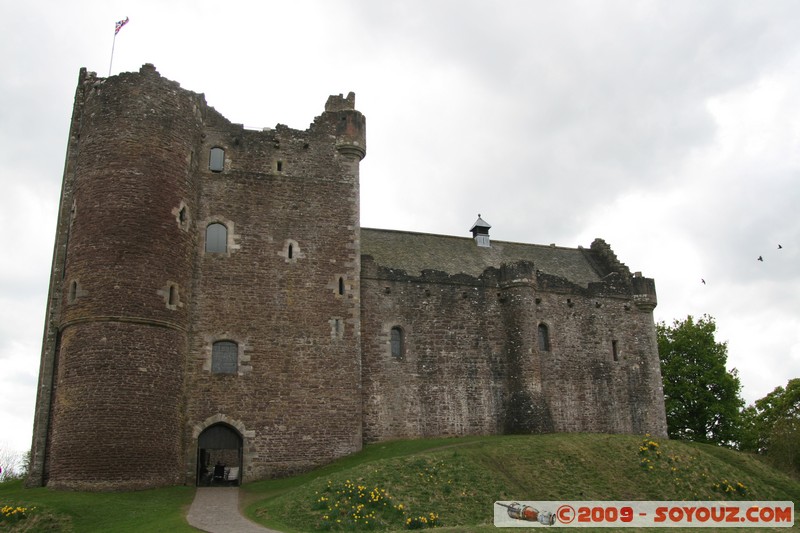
(213, 298)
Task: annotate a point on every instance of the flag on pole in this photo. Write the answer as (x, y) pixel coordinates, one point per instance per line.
(119, 25)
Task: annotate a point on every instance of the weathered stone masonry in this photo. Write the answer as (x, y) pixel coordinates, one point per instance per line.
(473, 363)
(213, 298)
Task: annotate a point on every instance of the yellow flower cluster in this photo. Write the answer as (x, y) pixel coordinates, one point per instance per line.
(727, 487)
(352, 505)
(648, 445)
(11, 512)
(420, 522)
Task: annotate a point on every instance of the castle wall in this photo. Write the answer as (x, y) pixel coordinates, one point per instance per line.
(286, 291)
(587, 388)
(449, 378)
(473, 363)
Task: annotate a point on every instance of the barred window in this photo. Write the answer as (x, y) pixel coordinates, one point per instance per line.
(225, 357)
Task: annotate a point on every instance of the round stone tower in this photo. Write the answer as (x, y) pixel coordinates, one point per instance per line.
(116, 338)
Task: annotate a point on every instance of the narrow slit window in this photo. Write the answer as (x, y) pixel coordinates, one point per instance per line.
(216, 238)
(341, 286)
(544, 338)
(614, 350)
(397, 342)
(292, 252)
(280, 166)
(173, 295)
(182, 217)
(216, 160)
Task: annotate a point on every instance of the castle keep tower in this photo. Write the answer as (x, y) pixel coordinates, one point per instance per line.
(274, 358)
(117, 326)
(204, 291)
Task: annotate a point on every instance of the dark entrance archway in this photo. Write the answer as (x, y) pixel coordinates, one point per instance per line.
(219, 456)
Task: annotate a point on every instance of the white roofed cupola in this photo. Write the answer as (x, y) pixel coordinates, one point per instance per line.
(480, 232)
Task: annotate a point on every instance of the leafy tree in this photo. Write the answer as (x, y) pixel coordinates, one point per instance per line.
(749, 430)
(772, 426)
(702, 398)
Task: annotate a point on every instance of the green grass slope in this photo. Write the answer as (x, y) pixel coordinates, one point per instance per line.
(454, 483)
(448, 483)
(121, 512)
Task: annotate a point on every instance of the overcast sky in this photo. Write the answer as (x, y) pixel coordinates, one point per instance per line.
(671, 129)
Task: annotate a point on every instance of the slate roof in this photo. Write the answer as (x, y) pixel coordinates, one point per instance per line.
(415, 252)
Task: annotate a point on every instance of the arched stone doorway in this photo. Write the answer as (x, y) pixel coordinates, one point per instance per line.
(219, 456)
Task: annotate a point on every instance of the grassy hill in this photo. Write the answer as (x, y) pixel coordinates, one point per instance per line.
(457, 480)
(451, 483)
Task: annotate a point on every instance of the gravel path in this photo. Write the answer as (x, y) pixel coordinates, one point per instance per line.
(216, 510)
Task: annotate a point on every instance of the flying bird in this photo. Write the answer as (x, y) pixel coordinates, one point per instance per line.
(704, 281)
(779, 247)
(760, 258)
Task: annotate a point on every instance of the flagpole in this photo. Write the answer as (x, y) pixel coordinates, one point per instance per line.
(113, 43)
(118, 26)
